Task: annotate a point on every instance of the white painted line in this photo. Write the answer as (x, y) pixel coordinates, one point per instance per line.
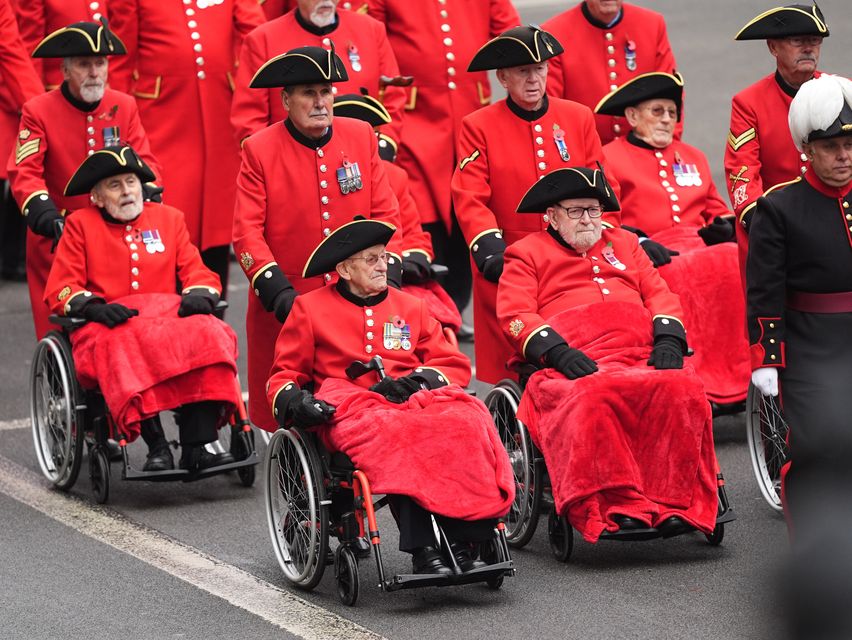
(10, 425)
(234, 585)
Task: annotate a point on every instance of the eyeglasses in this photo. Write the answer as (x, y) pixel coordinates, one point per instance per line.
(658, 112)
(372, 259)
(575, 213)
(801, 41)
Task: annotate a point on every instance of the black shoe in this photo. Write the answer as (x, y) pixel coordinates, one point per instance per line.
(465, 333)
(114, 451)
(673, 526)
(464, 557)
(238, 447)
(195, 458)
(429, 560)
(159, 459)
(626, 523)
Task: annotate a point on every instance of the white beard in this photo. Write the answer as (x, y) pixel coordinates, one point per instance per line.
(92, 94)
(125, 214)
(321, 21)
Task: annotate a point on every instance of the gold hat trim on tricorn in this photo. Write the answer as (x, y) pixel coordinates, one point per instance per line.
(331, 235)
(821, 26)
(676, 76)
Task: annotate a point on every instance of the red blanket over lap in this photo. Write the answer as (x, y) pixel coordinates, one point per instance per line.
(439, 448)
(440, 304)
(628, 439)
(156, 361)
(707, 281)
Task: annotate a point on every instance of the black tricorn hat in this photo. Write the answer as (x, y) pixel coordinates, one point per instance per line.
(108, 162)
(572, 182)
(648, 86)
(780, 22)
(302, 65)
(361, 107)
(81, 39)
(516, 47)
(346, 241)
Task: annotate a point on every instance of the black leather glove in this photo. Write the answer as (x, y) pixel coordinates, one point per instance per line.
(570, 362)
(414, 272)
(396, 390)
(721, 230)
(492, 268)
(305, 410)
(152, 193)
(658, 254)
(667, 353)
(192, 305)
(44, 223)
(111, 314)
(283, 303)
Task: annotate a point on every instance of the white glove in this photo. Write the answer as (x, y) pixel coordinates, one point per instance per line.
(766, 379)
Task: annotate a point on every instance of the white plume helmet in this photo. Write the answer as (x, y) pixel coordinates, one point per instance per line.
(817, 105)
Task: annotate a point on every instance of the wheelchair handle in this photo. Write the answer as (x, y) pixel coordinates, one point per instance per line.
(359, 368)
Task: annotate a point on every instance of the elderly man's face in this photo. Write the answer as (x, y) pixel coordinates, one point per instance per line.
(653, 121)
(796, 57)
(120, 196)
(831, 160)
(525, 84)
(583, 232)
(320, 13)
(366, 272)
(604, 10)
(86, 76)
(310, 107)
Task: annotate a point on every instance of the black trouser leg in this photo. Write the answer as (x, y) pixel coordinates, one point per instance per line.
(452, 252)
(217, 260)
(13, 236)
(153, 434)
(197, 422)
(415, 526)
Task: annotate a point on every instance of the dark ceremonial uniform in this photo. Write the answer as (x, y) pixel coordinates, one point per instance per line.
(662, 188)
(600, 58)
(180, 67)
(544, 276)
(503, 150)
(434, 41)
(100, 257)
(361, 43)
(56, 134)
(291, 193)
(799, 306)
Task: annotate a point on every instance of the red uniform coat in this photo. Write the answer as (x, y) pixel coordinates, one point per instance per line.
(501, 157)
(358, 40)
(596, 58)
(434, 42)
(543, 277)
(39, 18)
(414, 238)
(658, 186)
(111, 260)
(53, 140)
(288, 200)
(181, 59)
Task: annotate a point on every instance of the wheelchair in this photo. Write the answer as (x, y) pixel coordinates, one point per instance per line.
(305, 488)
(766, 431)
(532, 485)
(65, 417)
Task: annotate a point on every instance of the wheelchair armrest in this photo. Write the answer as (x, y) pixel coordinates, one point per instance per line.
(438, 270)
(221, 305)
(66, 322)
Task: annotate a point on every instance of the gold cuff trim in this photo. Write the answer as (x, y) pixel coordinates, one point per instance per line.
(438, 371)
(479, 235)
(209, 289)
(265, 267)
(534, 332)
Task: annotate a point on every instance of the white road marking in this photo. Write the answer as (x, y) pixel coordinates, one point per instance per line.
(236, 586)
(9, 425)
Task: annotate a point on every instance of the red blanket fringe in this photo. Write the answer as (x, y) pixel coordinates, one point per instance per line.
(440, 448)
(628, 439)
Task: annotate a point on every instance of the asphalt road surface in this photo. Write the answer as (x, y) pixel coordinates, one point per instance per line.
(195, 561)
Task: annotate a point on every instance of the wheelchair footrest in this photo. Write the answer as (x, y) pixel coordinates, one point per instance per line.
(726, 516)
(417, 580)
(632, 535)
(182, 474)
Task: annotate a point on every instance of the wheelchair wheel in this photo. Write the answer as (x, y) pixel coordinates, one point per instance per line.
(715, 538)
(346, 573)
(56, 411)
(99, 473)
(296, 507)
(766, 429)
(560, 535)
(492, 552)
(522, 519)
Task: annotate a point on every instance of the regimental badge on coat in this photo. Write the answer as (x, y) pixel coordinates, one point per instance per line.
(153, 242)
(397, 334)
(354, 57)
(112, 136)
(516, 326)
(66, 291)
(630, 55)
(609, 255)
(246, 260)
(349, 177)
(559, 139)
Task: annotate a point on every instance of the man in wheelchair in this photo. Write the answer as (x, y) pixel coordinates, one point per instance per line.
(415, 433)
(144, 347)
(623, 424)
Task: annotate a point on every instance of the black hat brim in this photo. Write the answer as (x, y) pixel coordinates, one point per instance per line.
(571, 182)
(80, 39)
(514, 48)
(782, 22)
(105, 163)
(364, 108)
(344, 242)
(304, 65)
(648, 86)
